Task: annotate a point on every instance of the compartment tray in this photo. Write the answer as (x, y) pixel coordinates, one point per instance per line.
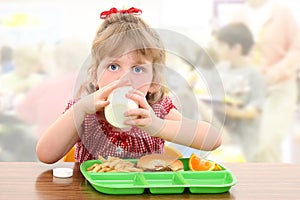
(159, 182)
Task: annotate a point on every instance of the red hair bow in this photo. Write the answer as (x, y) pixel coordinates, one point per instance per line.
(132, 10)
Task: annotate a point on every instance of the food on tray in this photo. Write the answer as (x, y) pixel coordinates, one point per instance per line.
(113, 164)
(159, 162)
(197, 163)
(152, 162)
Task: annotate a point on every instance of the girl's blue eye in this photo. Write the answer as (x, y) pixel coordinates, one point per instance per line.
(138, 69)
(113, 67)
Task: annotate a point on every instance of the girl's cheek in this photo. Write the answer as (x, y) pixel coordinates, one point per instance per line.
(104, 78)
(144, 88)
(145, 84)
(103, 81)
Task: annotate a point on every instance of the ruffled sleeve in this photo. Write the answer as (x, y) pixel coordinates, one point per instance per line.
(163, 107)
(70, 103)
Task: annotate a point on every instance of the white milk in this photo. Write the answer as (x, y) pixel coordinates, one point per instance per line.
(119, 104)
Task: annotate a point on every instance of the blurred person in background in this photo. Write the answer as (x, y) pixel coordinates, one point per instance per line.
(26, 74)
(210, 94)
(244, 87)
(44, 103)
(277, 54)
(16, 140)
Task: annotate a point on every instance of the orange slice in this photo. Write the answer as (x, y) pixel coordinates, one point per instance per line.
(199, 164)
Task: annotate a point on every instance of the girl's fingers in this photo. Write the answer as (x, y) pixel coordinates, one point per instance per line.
(99, 105)
(141, 122)
(103, 92)
(139, 98)
(139, 117)
(140, 113)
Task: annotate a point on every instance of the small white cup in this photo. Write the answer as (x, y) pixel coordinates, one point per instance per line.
(119, 104)
(62, 172)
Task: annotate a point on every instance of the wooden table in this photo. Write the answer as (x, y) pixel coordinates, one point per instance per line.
(33, 180)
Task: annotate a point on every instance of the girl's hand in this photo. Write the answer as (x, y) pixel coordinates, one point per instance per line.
(96, 101)
(143, 117)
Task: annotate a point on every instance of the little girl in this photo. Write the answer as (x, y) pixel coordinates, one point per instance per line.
(125, 52)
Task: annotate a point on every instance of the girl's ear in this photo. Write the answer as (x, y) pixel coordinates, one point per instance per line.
(95, 80)
(92, 87)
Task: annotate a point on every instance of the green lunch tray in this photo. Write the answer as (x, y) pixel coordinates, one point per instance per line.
(159, 182)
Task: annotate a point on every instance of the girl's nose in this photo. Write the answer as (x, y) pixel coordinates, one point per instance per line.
(125, 78)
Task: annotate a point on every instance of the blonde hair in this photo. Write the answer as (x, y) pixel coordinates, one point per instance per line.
(122, 33)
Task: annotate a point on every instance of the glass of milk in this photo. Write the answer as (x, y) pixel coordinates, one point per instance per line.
(119, 104)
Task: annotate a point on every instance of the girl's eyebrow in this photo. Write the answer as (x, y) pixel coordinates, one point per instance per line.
(133, 63)
(140, 62)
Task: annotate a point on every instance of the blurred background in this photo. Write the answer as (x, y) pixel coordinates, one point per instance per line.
(43, 45)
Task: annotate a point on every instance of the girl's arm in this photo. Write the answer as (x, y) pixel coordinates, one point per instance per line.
(174, 128)
(196, 134)
(62, 135)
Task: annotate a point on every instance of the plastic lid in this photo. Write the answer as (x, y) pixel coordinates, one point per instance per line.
(62, 172)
